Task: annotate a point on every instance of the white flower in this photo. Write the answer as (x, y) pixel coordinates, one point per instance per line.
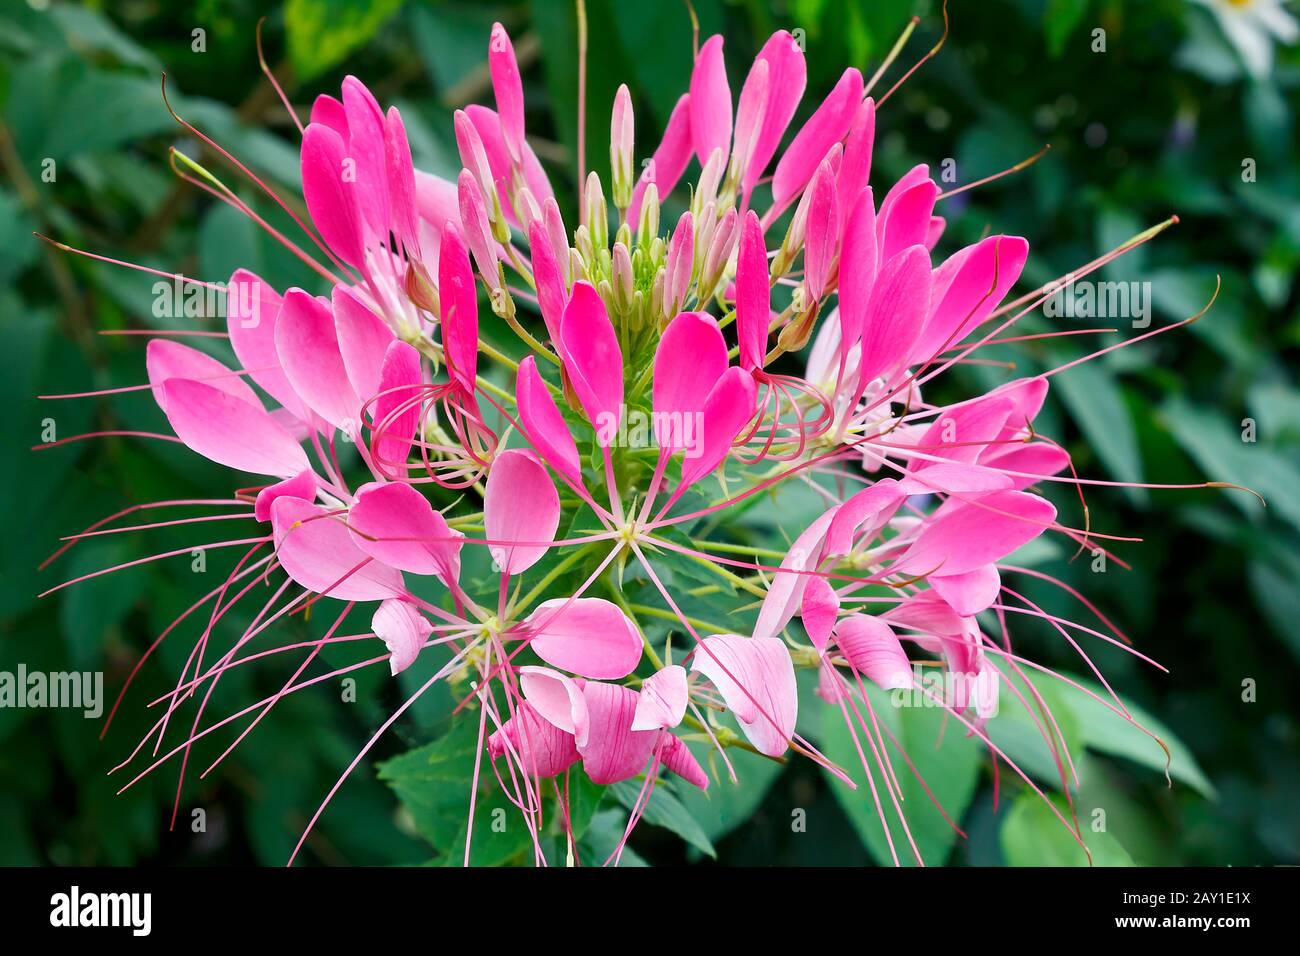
(1252, 26)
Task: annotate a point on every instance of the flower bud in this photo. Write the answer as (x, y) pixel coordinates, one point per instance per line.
(478, 234)
(473, 156)
(681, 263)
(648, 227)
(621, 136)
(720, 250)
(622, 279)
(558, 238)
(596, 217)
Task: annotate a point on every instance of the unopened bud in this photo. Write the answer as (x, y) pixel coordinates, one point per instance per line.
(720, 250)
(706, 193)
(622, 278)
(621, 137)
(648, 228)
(796, 333)
(681, 264)
(478, 234)
(558, 237)
(597, 213)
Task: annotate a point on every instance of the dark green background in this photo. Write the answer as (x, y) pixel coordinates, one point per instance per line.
(1213, 589)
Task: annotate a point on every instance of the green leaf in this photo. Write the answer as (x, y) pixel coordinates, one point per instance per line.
(726, 805)
(322, 33)
(943, 755)
(1032, 835)
(1060, 20)
(665, 810)
(1095, 401)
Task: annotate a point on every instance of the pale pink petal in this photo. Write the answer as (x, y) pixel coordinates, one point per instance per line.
(331, 201)
(826, 127)
(308, 347)
(587, 636)
(301, 485)
(871, 647)
(488, 125)
(521, 510)
(955, 478)
(165, 359)
(230, 431)
(405, 208)
(403, 630)
(438, 204)
(549, 278)
(558, 698)
(1035, 459)
(663, 699)
(316, 551)
(395, 524)
(543, 424)
(710, 102)
(593, 359)
(689, 360)
(755, 676)
(785, 594)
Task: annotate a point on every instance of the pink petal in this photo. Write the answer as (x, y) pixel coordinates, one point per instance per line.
(458, 300)
(864, 514)
(521, 505)
(542, 423)
(395, 524)
(690, 358)
(728, 408)
(787, 75)
(252, 312)
(977, 533)
(331, 201)
(508, 89)
(855, 169)
(669, 159)
(363, 339)
(318, 553)
(1034, 459)
(968, 593)
(613, 750)
(904, 218)
(405, 208)
(710, 102)
(438, 205)
(826, 127)
(587, 636)
(899, 301)
(821, 240)
(542, 748)
(955, 478)
(593, 359)
(366, 146)
(401, 383)
(786, 591)
(403, 630)
(663, 699)
(301, 485)
(755, 676)
(965, 293)
(489, 129)
(859, 262)
(328, 111)
(558, 698)
(749, 117)
(963, 432)
(308, 347)
(551, 293)
(165, 359)
(820, 608)
(230, 431)
(753, 294)
(872, 648)
(677, 757)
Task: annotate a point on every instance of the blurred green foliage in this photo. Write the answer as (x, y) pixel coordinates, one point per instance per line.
(1165, 120)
